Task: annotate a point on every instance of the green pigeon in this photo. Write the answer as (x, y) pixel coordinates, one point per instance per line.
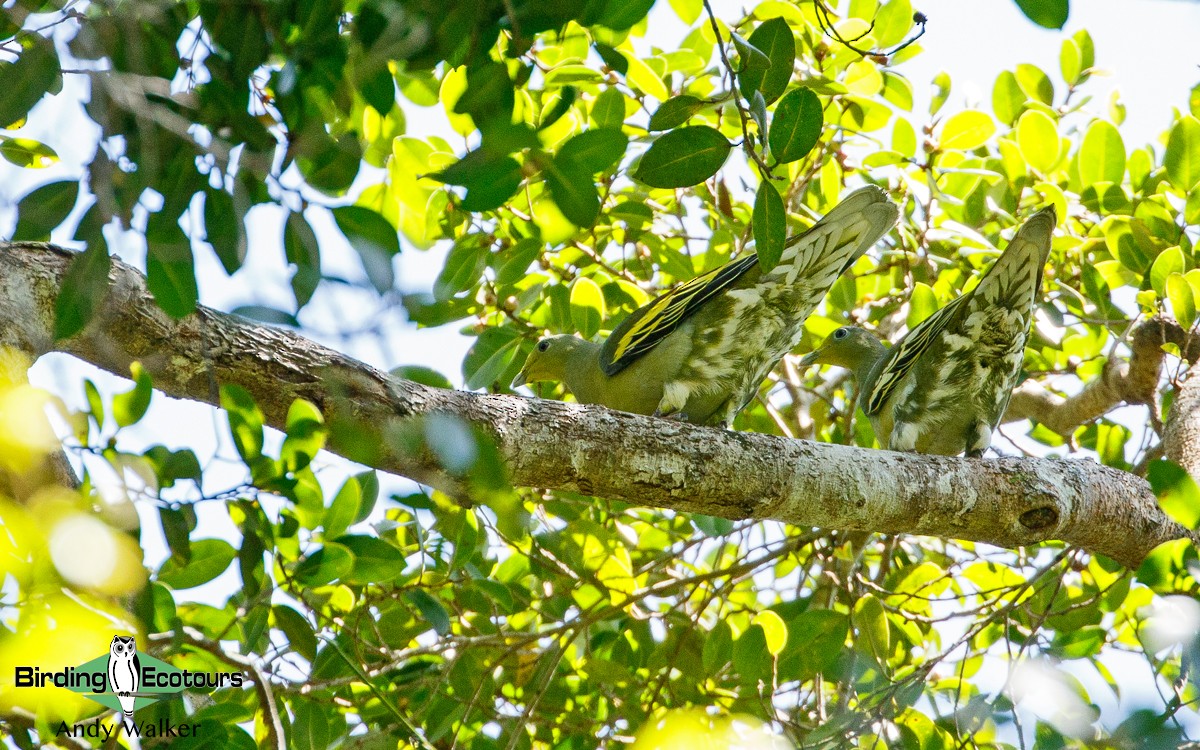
(699, 352)
(944, 387)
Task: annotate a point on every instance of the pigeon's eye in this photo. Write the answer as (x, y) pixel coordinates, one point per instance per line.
(543, 345)
(841, 333)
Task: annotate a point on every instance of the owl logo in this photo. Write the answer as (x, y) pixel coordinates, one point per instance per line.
(124, 674)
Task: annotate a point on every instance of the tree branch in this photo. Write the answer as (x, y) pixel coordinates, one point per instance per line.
(1133, 381)
(1008, 502)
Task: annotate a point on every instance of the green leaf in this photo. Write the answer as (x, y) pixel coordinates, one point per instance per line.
(770, 226)
(774, 38)
(921, 304)
(620, 15)
(1169, 261)
(608, 111)
(84, 287)
(796, 126)
(28, 153)
(209, 559)
(343, 510)
(587, 307)
(490, 180)
(464, 266)
(374, 239)
(774, 630)
(489, 93)
(491, 358)
(131, 406)
(305, 435)
(24, 82)
(594, 150)
(683, 157)
(1183, 304)
(1035, 83)
(245, 421)
(941, 92)
(44, 208)
(1037, 137)
(299, 632)
(674, 112)
(573, 191)
(967, 130)
(431, 609)
(1007, 98)
(326, 565)
(304, 252)
(1182, 159)
(871, 622)
(1102, 154)
(1070, 61)
(375, 561)
(223, 230)
(1051, 14)
(892, 23)
(1177, 492)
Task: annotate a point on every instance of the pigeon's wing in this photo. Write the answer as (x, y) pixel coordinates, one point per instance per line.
(651, 323)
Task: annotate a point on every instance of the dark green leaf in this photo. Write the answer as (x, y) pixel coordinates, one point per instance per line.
(492, 357)
(300, 634)
(774, 38)
(265, 314)
(423, 375)
(245, 421)
(594, 150)
(620, 15)
(170, 269)
(374, 239)
(489, 93)
(490, 180)
(302, 250)
(326, 565)
(26, 152)
(171, 466)
(464, 265)
(343, 510)
(44, 208)
(431, 609)
(84, 287)
(573, 190)
(613, 59)
(223, 229)
(1051, 14)
(683, 157)
(770, 226)
(796, 127)
(26, 81)
(674, 112)
(562, 105)
(210, 558)
(375, 561)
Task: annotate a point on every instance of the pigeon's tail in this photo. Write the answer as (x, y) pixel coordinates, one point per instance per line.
(817, 257)
(1016, 277)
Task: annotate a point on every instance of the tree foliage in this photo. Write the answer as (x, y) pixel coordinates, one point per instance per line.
(582, 169)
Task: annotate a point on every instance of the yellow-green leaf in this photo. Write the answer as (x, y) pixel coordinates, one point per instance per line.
(774, 629)
(1183, 304)
(967, 130)
(1037, 136)
(1102, 155)
(1182, 159)
(587, 306)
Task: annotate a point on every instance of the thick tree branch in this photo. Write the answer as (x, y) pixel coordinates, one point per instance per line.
(592, 450)
(1132, 381)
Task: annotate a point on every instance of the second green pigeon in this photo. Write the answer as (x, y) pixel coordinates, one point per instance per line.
(944, 387)
(700, 351)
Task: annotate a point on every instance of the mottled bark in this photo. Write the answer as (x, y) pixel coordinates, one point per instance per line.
(1130, 381)
(591, 450)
